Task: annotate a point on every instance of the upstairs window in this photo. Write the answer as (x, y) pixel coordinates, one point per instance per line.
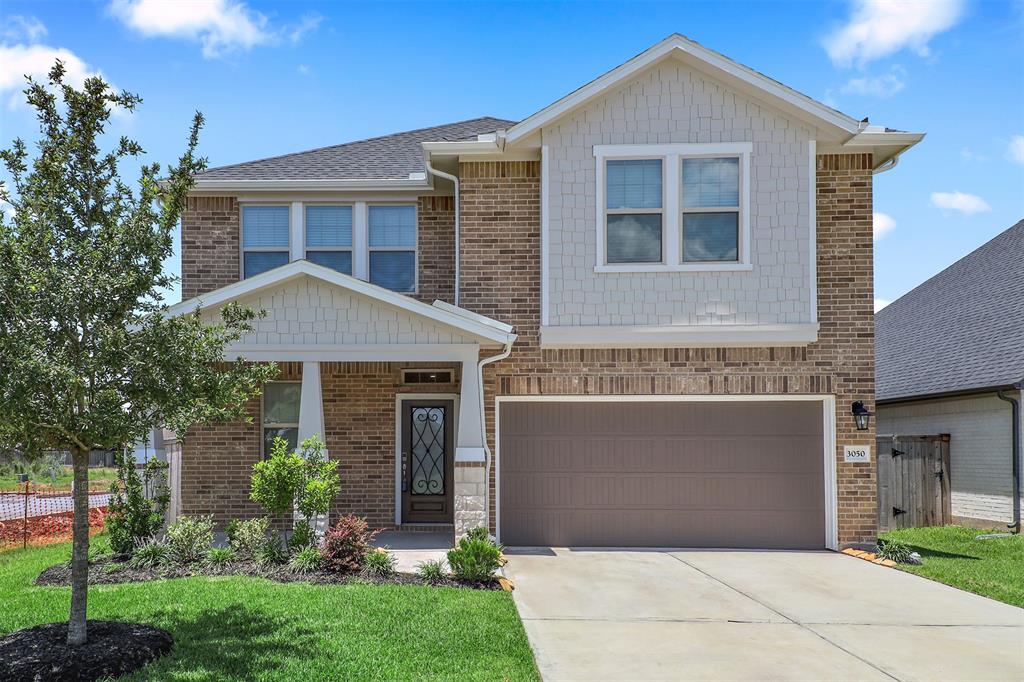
(633, 211)
(281, 414)
(711, 209)
(265, 242)
(329, 237)
(392, 247)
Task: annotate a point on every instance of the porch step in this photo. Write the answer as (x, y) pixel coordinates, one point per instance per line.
(426, 528)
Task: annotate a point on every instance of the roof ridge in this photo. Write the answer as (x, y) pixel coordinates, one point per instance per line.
(352, 142)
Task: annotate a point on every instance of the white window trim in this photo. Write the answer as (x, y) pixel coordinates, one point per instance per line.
(243, 249)
(275, 425)
(344, 249)
(415, 247)
(672, 156)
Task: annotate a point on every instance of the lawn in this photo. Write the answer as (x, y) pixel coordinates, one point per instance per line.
(993, 568)
(97, 477)
(252, 629)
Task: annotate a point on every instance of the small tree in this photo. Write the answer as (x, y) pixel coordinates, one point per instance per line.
(88, 357)
(304, 480)
(137, 503)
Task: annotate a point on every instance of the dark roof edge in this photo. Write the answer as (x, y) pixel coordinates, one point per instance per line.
(947, 394)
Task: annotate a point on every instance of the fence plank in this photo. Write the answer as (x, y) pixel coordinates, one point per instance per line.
(917, 481)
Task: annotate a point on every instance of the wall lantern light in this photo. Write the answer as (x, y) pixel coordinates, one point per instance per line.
(860, 414)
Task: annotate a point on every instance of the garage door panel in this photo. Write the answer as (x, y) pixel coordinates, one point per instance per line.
(722, 474)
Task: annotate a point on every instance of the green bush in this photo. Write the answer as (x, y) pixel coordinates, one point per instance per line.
(306, 560)
(346, 544)
(474, 560)
(432, 571)
(189, 538)
(248, 537)
(480, 533)
(380, 563)
(273, 550)
(150, 555)
(894, 550)
(134, 518)
(303, 536)
(218, 556)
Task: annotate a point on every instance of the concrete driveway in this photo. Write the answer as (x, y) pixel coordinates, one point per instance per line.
(744, 615)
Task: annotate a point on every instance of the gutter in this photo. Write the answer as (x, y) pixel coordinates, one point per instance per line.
(455, 180)
(1015, 450)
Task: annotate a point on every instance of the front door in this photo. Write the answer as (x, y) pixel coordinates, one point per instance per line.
(427, 461)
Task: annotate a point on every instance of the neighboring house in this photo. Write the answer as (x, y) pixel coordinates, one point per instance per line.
(944, 352)
(638, 317)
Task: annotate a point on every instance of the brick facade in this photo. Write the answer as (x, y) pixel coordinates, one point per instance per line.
(501, 275)
(436, 249)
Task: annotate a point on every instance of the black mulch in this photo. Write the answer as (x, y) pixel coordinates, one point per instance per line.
(41, 653)
(110, 572)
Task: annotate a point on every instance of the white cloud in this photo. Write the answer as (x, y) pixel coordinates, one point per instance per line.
(303, 69)
(882, 224)
(968, 204)
(220, 26)
(879, 28)
(885, 85)
(18, 28)
(881, 303)
(17, 61)
(1015, 150)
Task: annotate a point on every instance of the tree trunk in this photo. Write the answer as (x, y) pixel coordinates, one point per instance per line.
(79, 549)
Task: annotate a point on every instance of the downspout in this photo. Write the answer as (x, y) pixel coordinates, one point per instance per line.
(483, 423)
(1015, 449)
(887, 166)
(455, 181)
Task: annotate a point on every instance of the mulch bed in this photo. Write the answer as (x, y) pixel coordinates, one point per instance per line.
(110, 572)
(41, 653)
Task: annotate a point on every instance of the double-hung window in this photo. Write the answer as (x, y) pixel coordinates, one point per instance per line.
(329, 236)
(392, 247)
(281, 414)
(265, 238)
(711, 209)
(633, 211)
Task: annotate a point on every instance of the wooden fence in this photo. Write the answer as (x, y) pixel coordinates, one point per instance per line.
(913, 482)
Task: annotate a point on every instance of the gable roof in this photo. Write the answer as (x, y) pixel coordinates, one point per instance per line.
(470, 323)
(392, 157)
(962, 330)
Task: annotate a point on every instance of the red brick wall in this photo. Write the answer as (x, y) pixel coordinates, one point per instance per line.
(501, 279)
(209, 245)
(436, 236)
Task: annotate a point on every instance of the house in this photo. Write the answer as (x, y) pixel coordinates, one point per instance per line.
(639, 317)
(950, 359)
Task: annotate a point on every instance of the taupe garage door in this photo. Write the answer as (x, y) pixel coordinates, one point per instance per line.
(662, 474)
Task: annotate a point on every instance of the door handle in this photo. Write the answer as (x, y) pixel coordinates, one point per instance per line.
(405, 480)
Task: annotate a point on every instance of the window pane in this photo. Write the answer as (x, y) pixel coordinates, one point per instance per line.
(633, 184)
(395, 270)
(281, 402)
(335, 260)
(710, 236)
(328, 226)
(634, 238)
(260, 261)
(265, 225)
(290, 434)
(392, 226)
(711, 182)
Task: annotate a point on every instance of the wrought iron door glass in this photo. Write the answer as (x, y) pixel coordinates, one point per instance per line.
(428, 455)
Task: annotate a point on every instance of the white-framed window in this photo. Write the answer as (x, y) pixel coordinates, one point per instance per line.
(265, 238)
(391, 240)
(673, 207)
(280, 413)
(329, 236)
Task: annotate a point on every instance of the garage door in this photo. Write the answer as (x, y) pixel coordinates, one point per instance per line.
(662, 474)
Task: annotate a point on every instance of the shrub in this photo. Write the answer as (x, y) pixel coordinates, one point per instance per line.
(480, 533)
(272, 551)
(218, 556)
(432, 571)
(347, 543)
(306, 560)
(894, 550)
(137, 503)
(320, 481)
(189, 538)
(303, 536)
(276, 479)
(247, 537)
(150, 555)
(379, 563)
(474, 560)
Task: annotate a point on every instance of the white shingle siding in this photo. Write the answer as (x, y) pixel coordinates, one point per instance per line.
(979, 448)
(311, 312)
(672, 104)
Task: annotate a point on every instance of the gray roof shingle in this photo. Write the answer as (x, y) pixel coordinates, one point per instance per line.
(387, 157)
(961, 330)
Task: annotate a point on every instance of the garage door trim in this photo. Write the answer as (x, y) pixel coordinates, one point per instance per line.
(828, 445)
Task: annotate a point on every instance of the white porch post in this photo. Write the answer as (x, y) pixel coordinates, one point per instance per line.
(311, 418)
(470, 455)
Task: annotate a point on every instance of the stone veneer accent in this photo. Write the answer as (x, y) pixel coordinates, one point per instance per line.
(470, 497)
(501, 279)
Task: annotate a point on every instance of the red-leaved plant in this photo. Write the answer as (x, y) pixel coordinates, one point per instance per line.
(346, 544)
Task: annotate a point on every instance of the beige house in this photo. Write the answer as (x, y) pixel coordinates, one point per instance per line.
(639, 317)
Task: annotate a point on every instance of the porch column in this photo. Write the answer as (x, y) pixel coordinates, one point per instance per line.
(470, 456)
(311, 421)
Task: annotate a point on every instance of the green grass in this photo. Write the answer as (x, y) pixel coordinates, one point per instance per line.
(97, 475)
(993, 568)
(252, 629)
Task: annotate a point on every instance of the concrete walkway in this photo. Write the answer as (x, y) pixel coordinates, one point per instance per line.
(743, 615)
(410, 548)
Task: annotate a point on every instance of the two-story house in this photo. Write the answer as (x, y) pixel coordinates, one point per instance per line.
(639, 317)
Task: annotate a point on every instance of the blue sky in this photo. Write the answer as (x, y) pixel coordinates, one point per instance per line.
(273, 78)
